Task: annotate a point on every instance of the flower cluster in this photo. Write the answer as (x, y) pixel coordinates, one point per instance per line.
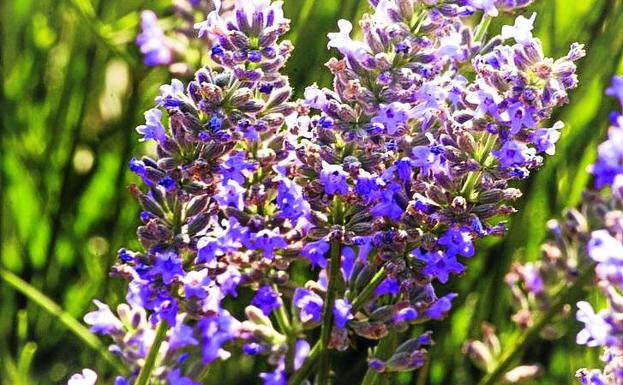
(605, 248)
(586, 242)
(381, 185)
(218, 211)
(535, 285)
(171, 41)
(411, 155)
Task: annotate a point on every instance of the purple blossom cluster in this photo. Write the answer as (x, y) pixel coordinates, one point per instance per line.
(586, 243)
(413, 151)
(219, 211)
(381, 185)
(172, 41)
(604, 328)
(535, 285)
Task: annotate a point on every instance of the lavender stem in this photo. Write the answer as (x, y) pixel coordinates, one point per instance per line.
(150, 361)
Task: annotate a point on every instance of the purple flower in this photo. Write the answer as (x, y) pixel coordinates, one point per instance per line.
(393, 116)
(266, 299)
(342, 312)
(170, 94)
(407, 314)
(521, 31)
(253, 349)
(513, 153)
(348, 262)
(233, 168)
(229, 280)
(175, 378)
(596, 330)
(268, 240)
(315, 97)
(441, 307)
(168, 183)
(166, 309)
(367, 187)
(301, 351)
(592, 377)
(532, 278)
(388, 206)
(404, 169)
(276, 377)
(333, 178)
(231, 194)
(315, 252)
(616, 89)
(425, 157)
(208, 249)
(487, 100)
(486, 5)
(604, 248)
(388, 286)
(439, 265)
(610, 158)
(343, 43)
(87, 377)
(457, 241)
(216, 330)
(545, 138)
(376, 365)
(139, 168)
(290, 200)
(270, 12)
(153, 128)
(152, 42)
(196, 284)
(169, 266)
(181, 336)
(103, 320)
(309, 305)
(520, 117)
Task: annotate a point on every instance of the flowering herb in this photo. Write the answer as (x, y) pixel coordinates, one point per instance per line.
(381, 185)
(605, 249)
(586, 244)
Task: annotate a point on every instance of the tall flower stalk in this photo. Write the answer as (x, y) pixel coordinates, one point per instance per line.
(605, 248)
(585, 248)
(427, 125)
(380, 186)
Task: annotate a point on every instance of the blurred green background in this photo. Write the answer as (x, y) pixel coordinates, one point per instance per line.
(73, 89)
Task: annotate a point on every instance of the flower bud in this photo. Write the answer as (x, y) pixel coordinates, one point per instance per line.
(522, 374)
(479, 354)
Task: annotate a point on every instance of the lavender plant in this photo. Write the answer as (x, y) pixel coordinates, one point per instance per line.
(380, 185)
(585, 245)
(605, 248)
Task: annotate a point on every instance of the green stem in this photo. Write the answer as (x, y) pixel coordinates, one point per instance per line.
(203, 375)
(283, 320)
(150, 361)
(564, 296)
(473, 177)
(327, 313)
(482, 157)
(482, 27)
(65, 318)
(367, 291)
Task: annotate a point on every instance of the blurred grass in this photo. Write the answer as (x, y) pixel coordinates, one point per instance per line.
(73, 89)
